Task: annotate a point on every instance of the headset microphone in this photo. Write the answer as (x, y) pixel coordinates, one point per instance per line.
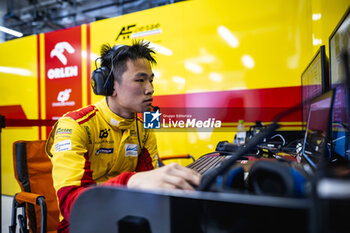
(155, 108)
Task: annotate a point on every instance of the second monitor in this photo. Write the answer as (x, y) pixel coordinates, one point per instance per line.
(314, 80)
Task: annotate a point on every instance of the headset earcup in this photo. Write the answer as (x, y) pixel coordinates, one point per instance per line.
(235, 178)
(102, 79)
(276, 178)
(100, 83)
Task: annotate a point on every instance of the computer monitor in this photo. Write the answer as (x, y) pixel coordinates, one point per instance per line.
(317, 129)
(314, 81)
(339, 41)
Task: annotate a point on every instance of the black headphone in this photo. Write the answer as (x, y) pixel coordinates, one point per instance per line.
(268, 178)
(102, 78)
(277, 178)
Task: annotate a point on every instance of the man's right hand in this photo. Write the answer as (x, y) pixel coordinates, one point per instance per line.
(172, 176)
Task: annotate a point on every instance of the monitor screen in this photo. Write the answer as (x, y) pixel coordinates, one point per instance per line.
(339, 41)
(317, 128)
(314, 81)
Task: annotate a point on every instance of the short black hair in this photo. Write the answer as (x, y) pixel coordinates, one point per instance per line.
(116, 57)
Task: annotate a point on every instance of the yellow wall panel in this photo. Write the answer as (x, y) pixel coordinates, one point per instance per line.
(270, 41)
(19, 86)
(20, 82)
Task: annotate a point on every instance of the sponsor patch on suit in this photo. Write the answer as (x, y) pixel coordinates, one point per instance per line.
(131, 150)
(63, 145)
(104, 151)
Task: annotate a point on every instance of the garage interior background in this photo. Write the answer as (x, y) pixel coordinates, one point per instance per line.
(211, 55)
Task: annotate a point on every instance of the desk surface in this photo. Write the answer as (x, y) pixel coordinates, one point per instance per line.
(99, 209)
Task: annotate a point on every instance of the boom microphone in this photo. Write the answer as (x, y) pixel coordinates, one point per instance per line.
(155, 108)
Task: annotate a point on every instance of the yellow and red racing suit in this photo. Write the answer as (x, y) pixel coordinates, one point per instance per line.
(93, 145)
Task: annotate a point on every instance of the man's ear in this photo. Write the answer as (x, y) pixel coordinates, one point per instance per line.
(115, 88)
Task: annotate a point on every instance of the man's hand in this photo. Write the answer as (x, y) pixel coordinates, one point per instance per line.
(172, 176)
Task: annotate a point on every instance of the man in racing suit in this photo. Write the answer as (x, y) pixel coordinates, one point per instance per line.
(106, 143)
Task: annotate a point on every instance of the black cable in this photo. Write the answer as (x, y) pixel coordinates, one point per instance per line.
(210, 177)
(138, 138)
(292, 149)
(99, 58)
(111, 70)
